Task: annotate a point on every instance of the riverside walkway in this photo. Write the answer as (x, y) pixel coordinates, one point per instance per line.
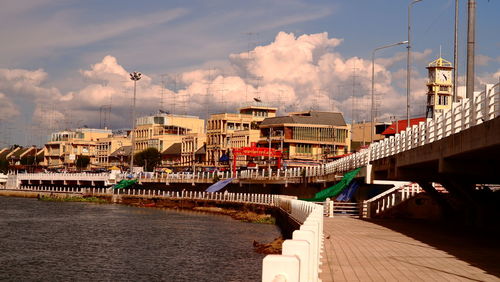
(396, 250)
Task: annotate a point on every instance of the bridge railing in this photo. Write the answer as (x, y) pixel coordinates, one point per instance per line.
(389, 199)
(64, 176)
(300, 257)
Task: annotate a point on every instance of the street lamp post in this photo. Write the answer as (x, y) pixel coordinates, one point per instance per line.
(135, 76)
(408, 65)
(269, 152)
(373, 84)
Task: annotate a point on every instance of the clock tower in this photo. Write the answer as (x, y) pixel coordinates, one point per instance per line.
(439, 87)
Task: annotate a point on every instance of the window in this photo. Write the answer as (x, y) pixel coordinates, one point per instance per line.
(443, 100)
(304, 149)
(443, 88)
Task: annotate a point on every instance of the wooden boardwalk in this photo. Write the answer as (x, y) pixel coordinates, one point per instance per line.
(396, 250)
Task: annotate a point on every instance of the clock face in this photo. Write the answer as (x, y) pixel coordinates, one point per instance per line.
(443, 75)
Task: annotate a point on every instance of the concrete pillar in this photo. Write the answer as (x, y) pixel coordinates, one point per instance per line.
(301, 249)
(280, 268)
(308, 236)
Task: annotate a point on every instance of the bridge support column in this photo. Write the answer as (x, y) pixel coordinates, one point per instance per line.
(476, 206)
(448, 210)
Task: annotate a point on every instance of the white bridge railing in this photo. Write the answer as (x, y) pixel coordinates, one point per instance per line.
(300, 258)
(64, 176)
(389, 199)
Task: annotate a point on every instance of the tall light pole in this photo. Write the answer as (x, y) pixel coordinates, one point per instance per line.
(455, 57)
(408, 64)
(373, 84)
(471, 43)
(135, 76)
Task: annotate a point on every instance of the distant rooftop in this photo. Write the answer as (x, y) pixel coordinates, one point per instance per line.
(309, 117)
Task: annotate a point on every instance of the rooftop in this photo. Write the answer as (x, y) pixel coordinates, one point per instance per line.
(400, 125)
(310, 117)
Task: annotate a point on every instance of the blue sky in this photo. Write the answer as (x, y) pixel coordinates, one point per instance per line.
(62, 60)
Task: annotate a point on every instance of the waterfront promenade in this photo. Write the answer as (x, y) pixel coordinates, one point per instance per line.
(396, 250)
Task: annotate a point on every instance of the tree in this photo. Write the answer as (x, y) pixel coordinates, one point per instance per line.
(4, 165)
(82, 162)
(149, 158)
(30, 160)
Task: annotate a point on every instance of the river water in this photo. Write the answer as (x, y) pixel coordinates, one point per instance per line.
(54, 241)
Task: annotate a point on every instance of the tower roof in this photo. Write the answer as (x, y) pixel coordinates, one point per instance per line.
(440, 62)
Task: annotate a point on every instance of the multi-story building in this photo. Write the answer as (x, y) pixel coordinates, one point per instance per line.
(160, 131)
(192, 148)
(65, 147)
(307, 135)
(107, 146)
(234, 130)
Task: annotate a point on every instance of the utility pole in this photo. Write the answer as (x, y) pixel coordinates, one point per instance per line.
(471, 42)
(269, 152)
(408, 65)
(455, 57)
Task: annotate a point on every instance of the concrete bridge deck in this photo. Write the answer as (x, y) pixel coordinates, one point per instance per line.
(396, 250)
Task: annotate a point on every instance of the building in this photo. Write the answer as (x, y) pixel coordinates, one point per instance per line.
(108, 146)
(65, 147)
(307, 135)
(400, 125)
(233, 130)
(171, 157)
(361, 133)
(160, 131)
(439, 87)
(120, 157)
(193, 150)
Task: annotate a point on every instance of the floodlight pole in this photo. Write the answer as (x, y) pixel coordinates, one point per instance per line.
(408, 65)
(373, 84)
(135, 76)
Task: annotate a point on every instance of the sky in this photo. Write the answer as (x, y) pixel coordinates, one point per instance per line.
(65, 63)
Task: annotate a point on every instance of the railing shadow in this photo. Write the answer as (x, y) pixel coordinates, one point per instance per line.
(478, 248)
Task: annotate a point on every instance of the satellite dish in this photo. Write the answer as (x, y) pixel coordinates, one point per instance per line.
(257, 100)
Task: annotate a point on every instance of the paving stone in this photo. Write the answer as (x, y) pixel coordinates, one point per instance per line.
(395, 250)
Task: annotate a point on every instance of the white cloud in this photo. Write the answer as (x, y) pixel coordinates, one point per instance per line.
(291, 73)
(8, 109)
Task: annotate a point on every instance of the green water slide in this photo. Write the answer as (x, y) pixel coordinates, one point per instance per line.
(125, 184)
(335, 189)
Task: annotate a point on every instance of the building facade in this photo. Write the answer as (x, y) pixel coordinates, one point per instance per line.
(65, 147)
(234, 130)
(190, 146)
(307, 135)
(162, 130)
(107, 146)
